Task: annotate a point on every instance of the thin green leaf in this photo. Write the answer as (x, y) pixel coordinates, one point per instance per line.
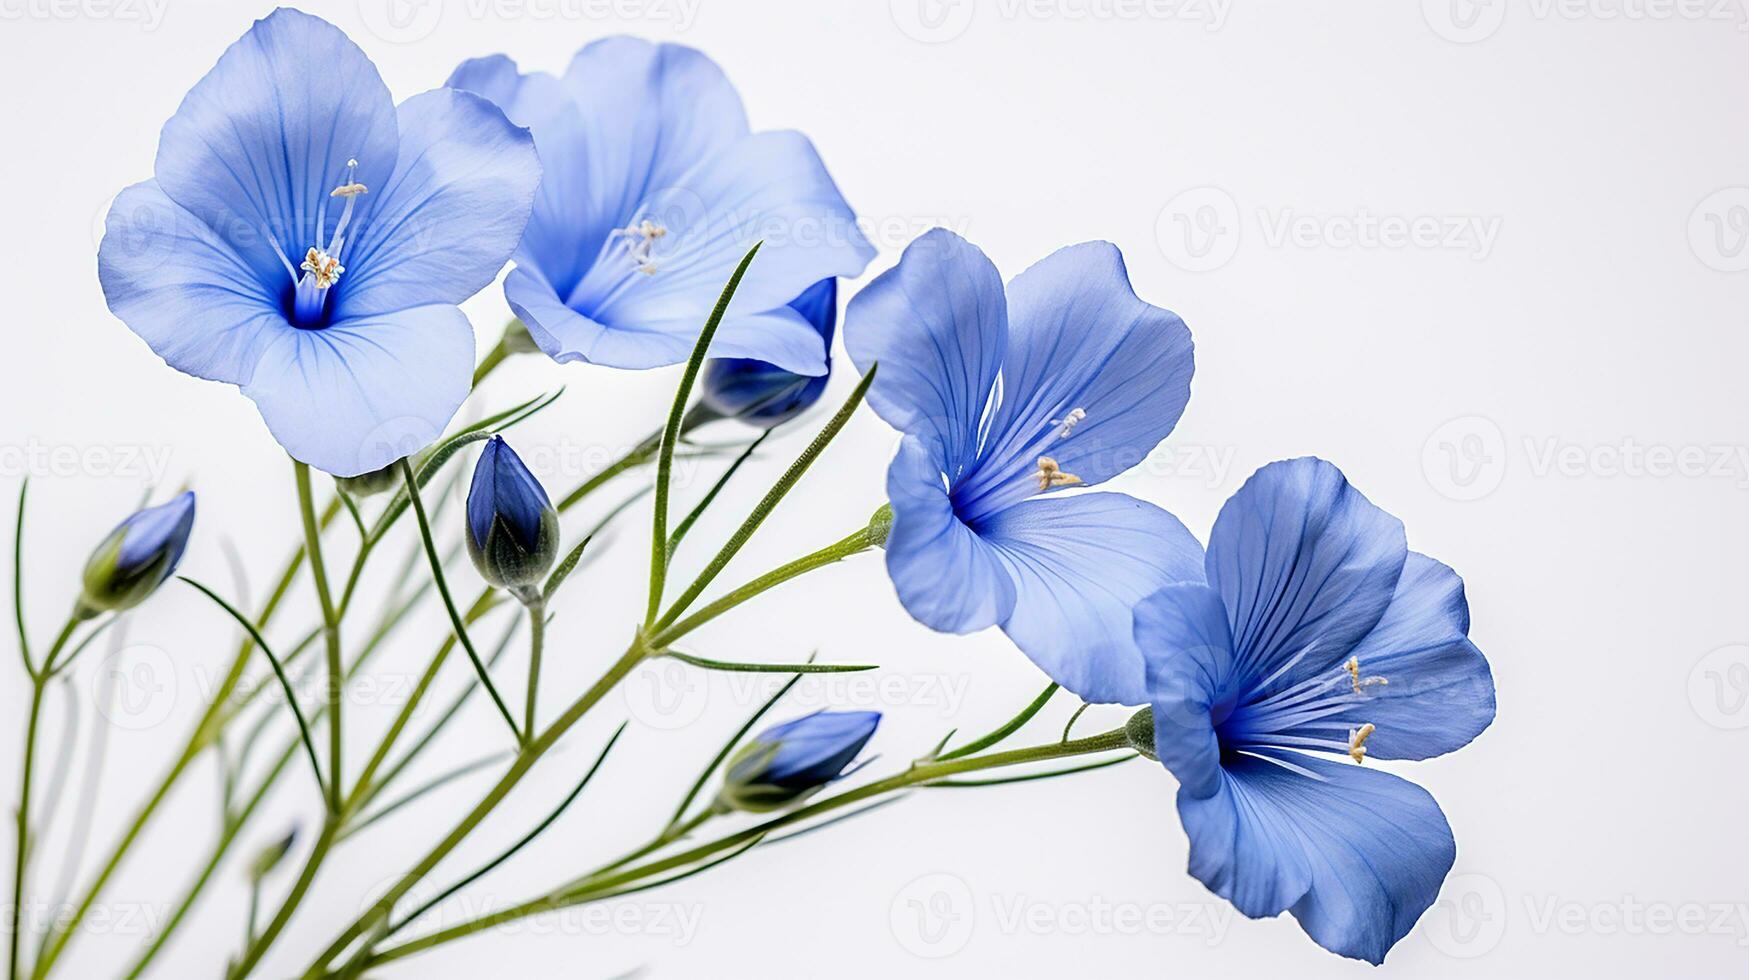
(705, 663)
(526, 839)
(729, 746)
(565, 568)
(822, 825)
(422, 790)
(291, 696)
(671, 435)
(352, 509)
(682, 876)
(18, 581)
(455, 617)
(1070, 725)
(1007, 728)
(769, 503)
(717, 488)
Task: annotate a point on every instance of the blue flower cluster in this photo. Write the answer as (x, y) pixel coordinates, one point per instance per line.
(307, 239)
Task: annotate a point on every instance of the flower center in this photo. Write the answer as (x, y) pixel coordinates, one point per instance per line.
(640, 241)
(321, 267)
(1304, 715)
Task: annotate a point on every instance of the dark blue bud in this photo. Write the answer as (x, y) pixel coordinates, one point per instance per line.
(513, 530)
(138, 555)
(788, 762)
(764, 394)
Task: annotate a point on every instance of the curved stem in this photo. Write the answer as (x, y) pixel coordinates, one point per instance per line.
(38, 686)
(252, 955)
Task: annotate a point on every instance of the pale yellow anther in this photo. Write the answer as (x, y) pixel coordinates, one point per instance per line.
(325, 268)
(1051, 475)
(1359, 682)
(348, 190)
(1357, 742)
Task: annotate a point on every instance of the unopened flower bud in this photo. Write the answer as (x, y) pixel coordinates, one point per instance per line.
(791, 761)
(374, 482)
(513, 530)
(138, 556)
(763, 394)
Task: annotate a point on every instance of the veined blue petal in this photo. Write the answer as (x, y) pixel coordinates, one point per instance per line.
(155, 532)
(362, 393)
(1306, 566)
(260, 142)
(815, 748)
(768, 188)
(1440, 692)
(1080, 564)
(937, 323)
(1355, 854)
(947, 578)
(440, 229)
(1093, 376)
(503, 488)
(188, 294)
(1187, 648)
(569, 225)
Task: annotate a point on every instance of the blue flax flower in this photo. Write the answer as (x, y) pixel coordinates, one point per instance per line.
(1318, 634)
(307, 240)
(1006, 397)
(513, 530)
(763, 394)
(655, 188)
(788, 762)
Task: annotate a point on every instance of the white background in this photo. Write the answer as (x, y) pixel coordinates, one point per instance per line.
(1547, 387)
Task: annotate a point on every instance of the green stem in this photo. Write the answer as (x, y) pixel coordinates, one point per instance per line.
(537, 627)
(252, 955)
(455, 617)
(38, 687)
(494, 357)
(1006, 729)
(18, 581)
(918, 775)
(862, 540)
(330, 629)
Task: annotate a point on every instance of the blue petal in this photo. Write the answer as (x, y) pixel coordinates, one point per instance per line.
(1187, 648)
(440, 229)
(1080, 564)
(568, 225)
(815, 748)
(360, 394)
(1440, 693)
(1355, 854)
(764, 394)
(947, 578)
(769, 188)
(1302, 560)
(154, 531)
(186, 291)
(937, 323)
(258, 144)
(1079, 338)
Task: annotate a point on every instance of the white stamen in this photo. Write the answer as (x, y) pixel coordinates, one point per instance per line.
(1066, 424)
(1359, 682)
(640, 241)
